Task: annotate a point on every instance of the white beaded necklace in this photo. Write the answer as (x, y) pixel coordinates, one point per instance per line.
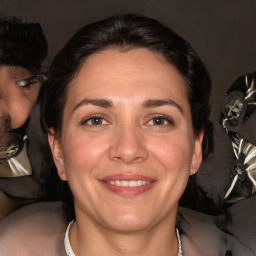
(67, 245)
(70, 252)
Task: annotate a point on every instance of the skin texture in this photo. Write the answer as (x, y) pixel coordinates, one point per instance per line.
(144, 131)
(16, 101)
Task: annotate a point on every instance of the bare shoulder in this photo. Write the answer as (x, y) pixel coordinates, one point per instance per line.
(36, 229)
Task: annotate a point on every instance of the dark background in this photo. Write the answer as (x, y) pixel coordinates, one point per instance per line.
(221, 31)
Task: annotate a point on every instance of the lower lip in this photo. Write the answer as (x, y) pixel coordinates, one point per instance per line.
(128, 191)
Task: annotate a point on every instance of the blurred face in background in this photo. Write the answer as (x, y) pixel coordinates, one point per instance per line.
(19, 90)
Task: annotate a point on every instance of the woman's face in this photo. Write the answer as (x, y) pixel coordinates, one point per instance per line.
(127, 145)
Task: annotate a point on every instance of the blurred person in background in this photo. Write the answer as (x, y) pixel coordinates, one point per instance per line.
(23, 151)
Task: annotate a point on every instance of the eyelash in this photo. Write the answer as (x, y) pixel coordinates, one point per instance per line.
(28, 81)
(27, 84)
(166, 119)
(94, 117)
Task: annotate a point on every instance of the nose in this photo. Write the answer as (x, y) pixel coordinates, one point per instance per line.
(128, 146)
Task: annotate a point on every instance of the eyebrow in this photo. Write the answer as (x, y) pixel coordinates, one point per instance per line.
(158, 103)
(104, 103)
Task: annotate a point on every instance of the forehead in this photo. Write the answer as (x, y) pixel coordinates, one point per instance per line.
(120, 70)
(14, 72)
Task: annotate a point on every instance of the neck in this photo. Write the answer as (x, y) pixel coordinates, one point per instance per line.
(89, 238)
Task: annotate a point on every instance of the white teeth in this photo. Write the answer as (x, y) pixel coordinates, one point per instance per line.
(139, 182)
(131, 183)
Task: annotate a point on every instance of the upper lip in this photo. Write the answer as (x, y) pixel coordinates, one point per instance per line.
(127, 177)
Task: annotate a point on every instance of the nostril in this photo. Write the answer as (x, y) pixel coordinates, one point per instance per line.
(128, 156)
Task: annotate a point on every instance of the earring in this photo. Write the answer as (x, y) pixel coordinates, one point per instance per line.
(193, 167)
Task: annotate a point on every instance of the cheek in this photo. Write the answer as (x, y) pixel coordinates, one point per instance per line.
(175, 158)
(82, 153)
(174, 153)
(21, 104)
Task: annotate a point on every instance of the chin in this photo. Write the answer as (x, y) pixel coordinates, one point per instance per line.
(129, 222)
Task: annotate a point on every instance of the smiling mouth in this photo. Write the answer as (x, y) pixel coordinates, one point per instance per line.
(126, 183)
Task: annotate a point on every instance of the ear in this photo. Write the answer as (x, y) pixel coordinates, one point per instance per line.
(197, 155)
(57, 153)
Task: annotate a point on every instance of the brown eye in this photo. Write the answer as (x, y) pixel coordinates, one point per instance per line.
(160, 120)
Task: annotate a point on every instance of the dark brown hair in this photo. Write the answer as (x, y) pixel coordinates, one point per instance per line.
(22, 44)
